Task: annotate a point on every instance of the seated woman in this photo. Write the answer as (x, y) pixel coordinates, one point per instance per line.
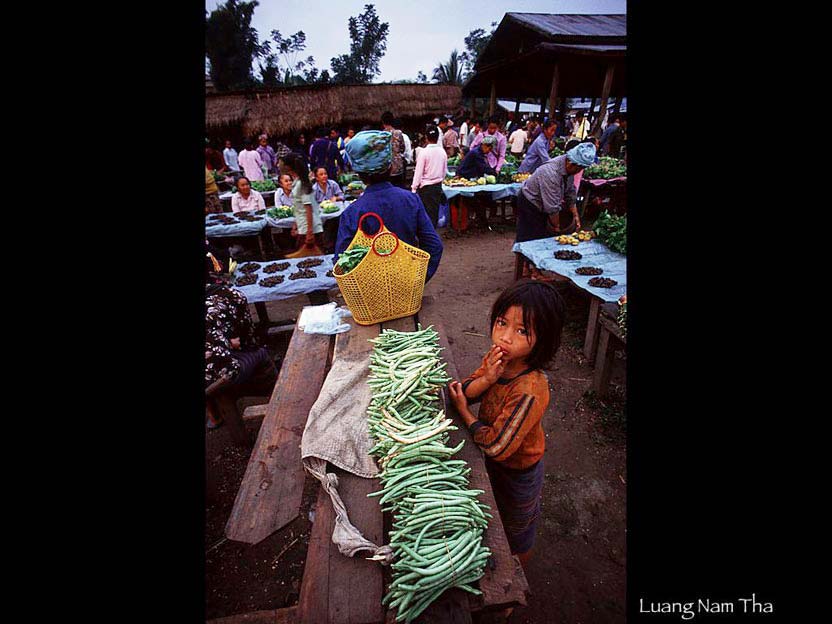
(326, 188)
(246, 198)
(231, 347)
(283, 195)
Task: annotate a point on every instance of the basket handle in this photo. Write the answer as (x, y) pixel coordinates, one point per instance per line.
(389, 253)
(371, 214)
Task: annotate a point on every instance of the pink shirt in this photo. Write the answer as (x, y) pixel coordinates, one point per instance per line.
(431, 165)
(577, 177)
(254, 202)
(251, 162)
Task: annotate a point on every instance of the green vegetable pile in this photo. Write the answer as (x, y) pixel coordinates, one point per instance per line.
(506, 171)
(607, 168)
(437, 521)
(612, 231)
(280, 212)
(218, 177)
(454, 161)
(622, 318)
(345, 178)
(351, 257)
(261, 186)
(556, 151)
(511, 159)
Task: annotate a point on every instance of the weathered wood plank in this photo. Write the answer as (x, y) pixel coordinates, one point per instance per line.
(603, 363)
(289, 615)
(356, 585)
(505, 584)
(255, 411)
(407, 324)
(591, 340)
(270, 493)
(313, 605)
(340, 589)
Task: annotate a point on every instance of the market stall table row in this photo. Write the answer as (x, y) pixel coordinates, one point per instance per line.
(541, 253)
(337, 589)
(589, 186)
(496, 191)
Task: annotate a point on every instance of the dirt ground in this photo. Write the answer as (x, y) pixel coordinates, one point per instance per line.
(577, 572)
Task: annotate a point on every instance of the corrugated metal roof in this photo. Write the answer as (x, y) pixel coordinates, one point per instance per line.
(574, 25)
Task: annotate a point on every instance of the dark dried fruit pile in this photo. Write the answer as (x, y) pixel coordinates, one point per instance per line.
(567, 255)
(260, 212)
(329, 273)
(226, 221)
(602, 282)
(589, 271)
(272, 281)
(306, 264)
(246, 280)
(249, 267)
(274, 267)
(303, 274)
(214, 217)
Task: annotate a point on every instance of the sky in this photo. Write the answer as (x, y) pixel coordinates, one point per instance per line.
(422, 32)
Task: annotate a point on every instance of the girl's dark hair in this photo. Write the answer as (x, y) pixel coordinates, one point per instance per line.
(248, 144)
(432, 133)
(237, 181)
(296, 163)
(543, 313)
(570, 144)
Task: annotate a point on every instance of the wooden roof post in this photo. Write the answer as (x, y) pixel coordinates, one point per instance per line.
(553, 92)
(492, 105)
(605, 94)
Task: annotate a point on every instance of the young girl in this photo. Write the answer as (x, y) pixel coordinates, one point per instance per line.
(306, 209)
(526, 323)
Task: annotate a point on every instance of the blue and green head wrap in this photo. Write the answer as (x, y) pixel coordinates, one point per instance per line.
(371, 151)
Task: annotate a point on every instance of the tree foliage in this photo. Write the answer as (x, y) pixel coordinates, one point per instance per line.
(368, 44)
(475, 43)
(232, 44)
(449, 73)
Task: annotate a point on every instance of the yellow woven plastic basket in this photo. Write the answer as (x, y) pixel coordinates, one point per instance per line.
(388, 282)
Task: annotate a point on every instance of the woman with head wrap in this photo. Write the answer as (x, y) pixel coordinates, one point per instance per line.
(549, 190)
(371, 154)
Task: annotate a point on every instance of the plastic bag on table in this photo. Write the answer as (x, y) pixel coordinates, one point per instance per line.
(324, 319)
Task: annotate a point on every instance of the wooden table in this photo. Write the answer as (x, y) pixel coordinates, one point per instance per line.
(338, 589)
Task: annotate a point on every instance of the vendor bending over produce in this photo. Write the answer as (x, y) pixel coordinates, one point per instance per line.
(371, 154)
(548, 190)
(526, 324)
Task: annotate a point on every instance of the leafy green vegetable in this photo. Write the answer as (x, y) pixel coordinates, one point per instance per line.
(351, 257)
(607, 168)
(261, 186)
(612, 231)
(280, 212)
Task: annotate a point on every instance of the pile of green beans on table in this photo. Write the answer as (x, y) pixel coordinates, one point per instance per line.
(438, 522)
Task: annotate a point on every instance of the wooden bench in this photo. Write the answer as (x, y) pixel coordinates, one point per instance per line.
(610, 338)
(270, 493)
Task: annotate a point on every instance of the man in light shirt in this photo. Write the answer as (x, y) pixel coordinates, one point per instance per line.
(230, 155)
(518, 142)
(463, 133)
(251, 162)
(431, 165)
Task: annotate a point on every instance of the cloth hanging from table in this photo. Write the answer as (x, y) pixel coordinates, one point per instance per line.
(337, 432)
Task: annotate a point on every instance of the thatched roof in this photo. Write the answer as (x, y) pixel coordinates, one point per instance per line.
(285, 111)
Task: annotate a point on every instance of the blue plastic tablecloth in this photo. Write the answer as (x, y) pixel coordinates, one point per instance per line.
(256, 293)
(498, 191)
(243, 228)
(541, 253)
